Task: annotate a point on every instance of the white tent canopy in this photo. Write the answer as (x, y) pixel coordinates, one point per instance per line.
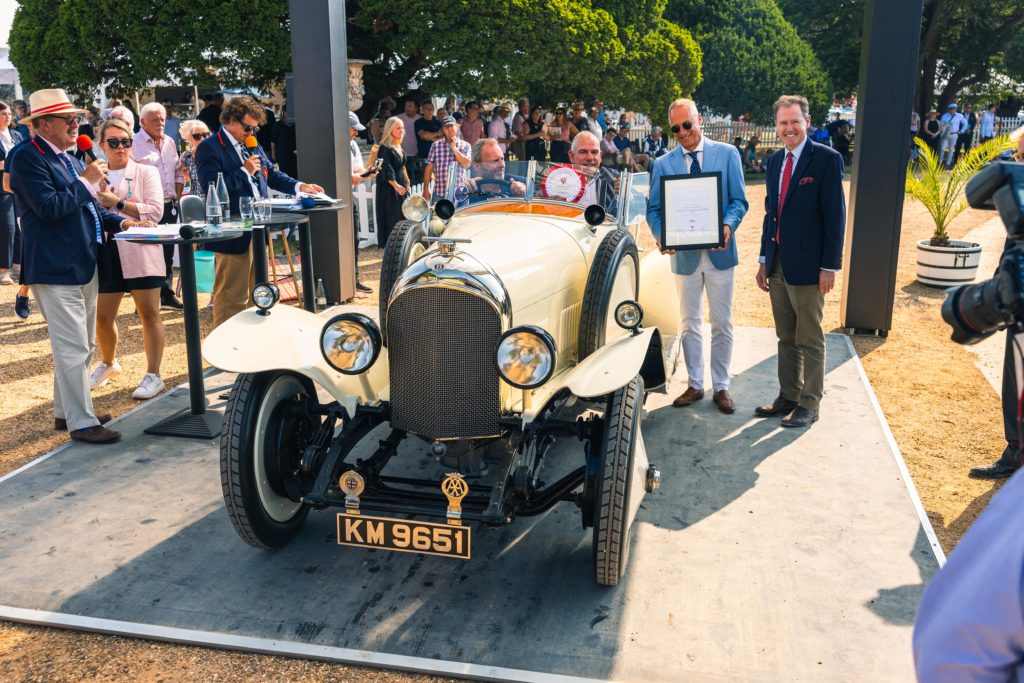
(9, 74)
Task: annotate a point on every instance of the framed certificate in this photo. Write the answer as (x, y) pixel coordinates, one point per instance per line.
(691, 211)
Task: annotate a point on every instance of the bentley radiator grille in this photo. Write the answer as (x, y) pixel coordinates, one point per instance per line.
(444, 383)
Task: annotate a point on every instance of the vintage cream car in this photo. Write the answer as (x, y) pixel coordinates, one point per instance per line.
(521, 317)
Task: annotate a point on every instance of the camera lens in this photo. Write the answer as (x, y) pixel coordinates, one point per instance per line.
(974, 312)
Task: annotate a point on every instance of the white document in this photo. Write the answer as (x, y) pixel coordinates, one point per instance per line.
(167, 230)
(691, 211)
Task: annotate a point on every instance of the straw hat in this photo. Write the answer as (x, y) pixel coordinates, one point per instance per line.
(50, 101)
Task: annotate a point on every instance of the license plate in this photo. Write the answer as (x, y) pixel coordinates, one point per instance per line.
(403, 535)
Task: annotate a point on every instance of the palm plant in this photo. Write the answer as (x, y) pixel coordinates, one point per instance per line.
(940, 190)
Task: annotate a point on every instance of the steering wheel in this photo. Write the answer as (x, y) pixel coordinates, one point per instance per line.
(504, 187)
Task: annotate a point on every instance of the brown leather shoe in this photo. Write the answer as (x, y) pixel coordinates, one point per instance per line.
(96, 434)
(688, 397)
(780, 406)
(724, 402)
(61, 425)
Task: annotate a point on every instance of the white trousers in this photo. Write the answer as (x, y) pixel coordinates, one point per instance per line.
(948, 147)
(719, 286)
(70, 313)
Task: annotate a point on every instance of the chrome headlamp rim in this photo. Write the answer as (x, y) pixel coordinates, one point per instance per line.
(549, 343)
(275, 294)
(373, 331)
(629, 303)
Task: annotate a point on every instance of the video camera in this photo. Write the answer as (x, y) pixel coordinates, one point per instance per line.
(978, 311)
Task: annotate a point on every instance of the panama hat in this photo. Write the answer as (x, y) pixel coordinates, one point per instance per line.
(50, 101)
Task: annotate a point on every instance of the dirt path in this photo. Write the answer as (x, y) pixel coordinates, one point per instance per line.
(944, 414)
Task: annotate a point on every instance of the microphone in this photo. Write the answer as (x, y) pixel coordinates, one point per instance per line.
(251, 144)
(84, 144)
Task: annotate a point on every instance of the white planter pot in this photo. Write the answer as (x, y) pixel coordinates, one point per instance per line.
(949, 266)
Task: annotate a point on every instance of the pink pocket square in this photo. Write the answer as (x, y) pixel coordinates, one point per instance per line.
(805, 181)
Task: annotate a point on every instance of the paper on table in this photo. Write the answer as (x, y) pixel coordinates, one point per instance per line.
(283, 202)
(165, 231)
(321, 197)
(691, 212)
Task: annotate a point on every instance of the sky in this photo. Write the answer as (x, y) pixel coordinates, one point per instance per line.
(7, 8)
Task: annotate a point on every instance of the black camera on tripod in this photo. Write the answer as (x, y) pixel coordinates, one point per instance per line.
(978, 311)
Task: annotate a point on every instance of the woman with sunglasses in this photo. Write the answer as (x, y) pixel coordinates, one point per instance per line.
(192, 132)
(134, 191)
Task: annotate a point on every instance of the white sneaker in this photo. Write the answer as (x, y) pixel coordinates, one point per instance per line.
(103, 374)
(5, 278)
(150, 386)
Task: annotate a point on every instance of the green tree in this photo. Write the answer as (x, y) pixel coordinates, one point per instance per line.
(964, 45)
(76, 45)
(552, 49)
(751, 56)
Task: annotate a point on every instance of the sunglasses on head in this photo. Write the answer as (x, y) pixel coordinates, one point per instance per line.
(114, 143)
(687, 125)
(250, 129)
(200, 136)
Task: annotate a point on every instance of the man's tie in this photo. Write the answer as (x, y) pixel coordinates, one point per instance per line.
(257, 177)
(694, 165)
(92, 207)
(787, 175)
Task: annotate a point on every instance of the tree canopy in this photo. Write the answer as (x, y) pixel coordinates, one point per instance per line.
(76, 45)
(752, 55)
(551, 49)
(963, 44)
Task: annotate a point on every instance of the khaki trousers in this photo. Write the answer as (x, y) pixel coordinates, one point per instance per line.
(70, 314)
(798, 311)
(233, 280)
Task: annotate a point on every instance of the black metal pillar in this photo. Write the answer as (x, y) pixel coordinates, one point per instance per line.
(888, 73)
(319, 107)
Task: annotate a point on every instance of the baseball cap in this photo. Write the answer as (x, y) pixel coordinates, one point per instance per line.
(952, 105)
(449, 121)
(353, 121)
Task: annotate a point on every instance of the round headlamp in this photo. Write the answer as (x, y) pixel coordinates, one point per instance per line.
(629, 315)
(526, 356)
(264, 296)
(415, 208)
(350, 343)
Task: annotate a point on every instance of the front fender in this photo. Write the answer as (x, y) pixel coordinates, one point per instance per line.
(289, 339)
(605, 370)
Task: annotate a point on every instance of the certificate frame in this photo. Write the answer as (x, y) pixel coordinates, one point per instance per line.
(677, 189)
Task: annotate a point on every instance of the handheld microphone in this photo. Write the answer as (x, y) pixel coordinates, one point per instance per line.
(84, 144)
(251, 144)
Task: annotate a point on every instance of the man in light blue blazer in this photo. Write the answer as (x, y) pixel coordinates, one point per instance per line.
(712, 270)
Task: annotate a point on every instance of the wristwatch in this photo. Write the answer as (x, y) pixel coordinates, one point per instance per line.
(120, 205)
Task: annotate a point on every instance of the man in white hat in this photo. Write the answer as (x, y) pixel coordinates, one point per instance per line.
(62, 225)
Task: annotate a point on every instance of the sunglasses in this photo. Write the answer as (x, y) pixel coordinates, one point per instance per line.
(114, 143)
(200, 136)
(687, 125)
(69, 120)
(250, 129)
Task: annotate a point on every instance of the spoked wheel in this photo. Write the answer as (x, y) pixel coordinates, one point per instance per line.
(613, 278)
(405, 245)
(617, 450)
(261, 446)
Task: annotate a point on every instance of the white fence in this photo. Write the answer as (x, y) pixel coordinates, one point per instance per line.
(364, 197)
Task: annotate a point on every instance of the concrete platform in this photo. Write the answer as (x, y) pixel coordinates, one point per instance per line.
(768, 555)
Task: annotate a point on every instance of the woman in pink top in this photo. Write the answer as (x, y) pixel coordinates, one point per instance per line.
(134, 191)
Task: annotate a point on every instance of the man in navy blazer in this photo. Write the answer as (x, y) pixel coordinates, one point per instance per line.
(248, 172)
(801, 251)
(62, 225)
(711, 270)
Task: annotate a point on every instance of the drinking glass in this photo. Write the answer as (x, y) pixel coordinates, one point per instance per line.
(264, 209)
(246, 207)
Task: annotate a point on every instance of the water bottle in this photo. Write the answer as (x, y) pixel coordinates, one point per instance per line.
(222, 192)
(321, 294)
(214, 214)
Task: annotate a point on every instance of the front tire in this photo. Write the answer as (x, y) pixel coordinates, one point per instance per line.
(614, 277)
(611, 506)
(261, 446)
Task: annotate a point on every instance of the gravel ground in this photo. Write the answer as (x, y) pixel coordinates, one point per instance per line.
(943, 413)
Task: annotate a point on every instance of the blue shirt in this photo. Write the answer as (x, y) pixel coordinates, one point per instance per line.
(970, 623)
(621, 142)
